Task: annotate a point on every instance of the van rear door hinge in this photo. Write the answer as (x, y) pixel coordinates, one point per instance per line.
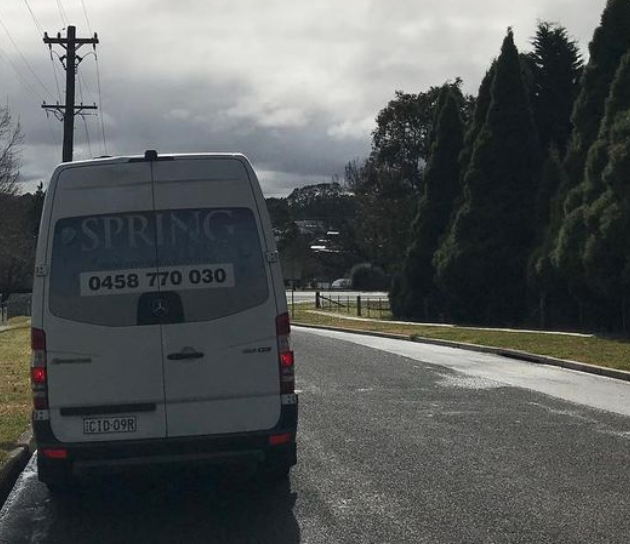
(41, 270)
(272, 256)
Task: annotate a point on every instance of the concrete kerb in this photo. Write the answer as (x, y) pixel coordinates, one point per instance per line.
(15, 463)
(508, 353)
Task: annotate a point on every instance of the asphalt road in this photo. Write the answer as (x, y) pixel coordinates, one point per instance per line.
(400, 443)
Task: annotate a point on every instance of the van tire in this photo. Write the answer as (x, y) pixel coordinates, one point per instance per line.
(56, 476)
(59, 490)
(275, 472)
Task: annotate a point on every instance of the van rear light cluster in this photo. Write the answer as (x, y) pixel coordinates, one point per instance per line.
(55, 453)
(285, 355)
(39, 377)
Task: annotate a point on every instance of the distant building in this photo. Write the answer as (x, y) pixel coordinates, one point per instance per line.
(311, 227)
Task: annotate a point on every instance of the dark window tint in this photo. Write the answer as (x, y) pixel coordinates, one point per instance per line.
(219, 255)
(109, 269)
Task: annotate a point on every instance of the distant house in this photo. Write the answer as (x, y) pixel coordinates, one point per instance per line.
(311, 227)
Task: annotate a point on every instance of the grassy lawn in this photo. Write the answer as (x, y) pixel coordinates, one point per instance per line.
(593, 350)
(15, 390)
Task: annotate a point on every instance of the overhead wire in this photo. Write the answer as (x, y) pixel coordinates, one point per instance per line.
(24, 59)
(21, 77)
(40, 29)
(83, 116)
(62, 12)
(100, 103)
(54, 69)
(87, 19)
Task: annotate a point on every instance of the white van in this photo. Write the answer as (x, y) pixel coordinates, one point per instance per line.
(160, 325)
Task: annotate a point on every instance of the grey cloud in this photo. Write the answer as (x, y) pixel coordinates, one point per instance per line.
(294, 85)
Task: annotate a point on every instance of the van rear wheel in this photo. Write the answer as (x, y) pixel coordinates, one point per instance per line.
(57, 475)
(275, 472)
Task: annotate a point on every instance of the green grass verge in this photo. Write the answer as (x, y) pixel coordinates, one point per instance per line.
(15, 395)
(611, 353)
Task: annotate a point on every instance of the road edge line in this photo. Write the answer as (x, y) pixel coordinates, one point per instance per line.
(505, 352)
(14, 465)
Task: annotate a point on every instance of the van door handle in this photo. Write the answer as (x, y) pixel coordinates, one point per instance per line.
(186, 353)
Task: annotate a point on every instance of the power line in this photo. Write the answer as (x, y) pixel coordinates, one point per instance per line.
(87, 135)
(20, 75)
(28, 65)
(40, 29)
(87, 19)
(100, 104)
(87, 132)
(62, 12)
(54, 69)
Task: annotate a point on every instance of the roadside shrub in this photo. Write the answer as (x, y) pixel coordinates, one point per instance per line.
(368, 277)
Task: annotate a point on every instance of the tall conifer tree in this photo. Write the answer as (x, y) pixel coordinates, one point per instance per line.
(416, 297)
(607, 249)
(481, 265)
(610, 41)
(556, 67)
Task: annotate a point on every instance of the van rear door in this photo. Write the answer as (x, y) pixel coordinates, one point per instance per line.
(219, 341)
(103, 344)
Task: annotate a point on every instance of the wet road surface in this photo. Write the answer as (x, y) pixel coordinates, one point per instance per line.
(399, 442)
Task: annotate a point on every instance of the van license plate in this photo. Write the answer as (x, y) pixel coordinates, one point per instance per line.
(105, 425)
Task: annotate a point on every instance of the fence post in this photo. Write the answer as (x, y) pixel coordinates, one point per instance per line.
(358, 305)
(318, 303)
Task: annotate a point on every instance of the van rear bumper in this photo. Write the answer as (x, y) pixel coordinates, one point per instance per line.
(251, 447)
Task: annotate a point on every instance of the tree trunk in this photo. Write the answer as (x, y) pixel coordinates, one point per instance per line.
(542, 307)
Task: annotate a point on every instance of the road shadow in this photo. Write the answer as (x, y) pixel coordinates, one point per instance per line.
(183, 506)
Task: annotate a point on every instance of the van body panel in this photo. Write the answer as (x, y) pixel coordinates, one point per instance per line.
(234, 385)
(96, 364)
(186, 345)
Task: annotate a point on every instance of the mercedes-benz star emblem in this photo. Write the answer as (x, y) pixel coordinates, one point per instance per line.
(159, 307)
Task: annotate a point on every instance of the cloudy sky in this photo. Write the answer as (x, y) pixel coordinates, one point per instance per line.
(293, 84)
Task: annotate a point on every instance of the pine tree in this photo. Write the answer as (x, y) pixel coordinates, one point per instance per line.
(440, 187)
(556, 66)
(586, 156)
(478, 119)
(610, 41)
(542, 275)
(607, 219)
(607, 251)
(481, 265)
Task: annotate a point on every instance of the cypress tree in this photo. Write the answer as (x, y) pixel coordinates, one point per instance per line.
(542, 275)
(581, 207)
(416, 296)
(607, 251)
(478, 119)
(556, 66)
(607, 219)
(586, 156)
(610, 41)
(481, 265)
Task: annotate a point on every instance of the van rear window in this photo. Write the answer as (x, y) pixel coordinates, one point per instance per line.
(112, 269)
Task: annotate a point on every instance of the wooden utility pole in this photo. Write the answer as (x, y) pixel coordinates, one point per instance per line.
(71, 63)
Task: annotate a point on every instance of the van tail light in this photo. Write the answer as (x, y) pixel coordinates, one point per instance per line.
(279, 439)
(39, 375)
(285, 355)
(55, 453)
